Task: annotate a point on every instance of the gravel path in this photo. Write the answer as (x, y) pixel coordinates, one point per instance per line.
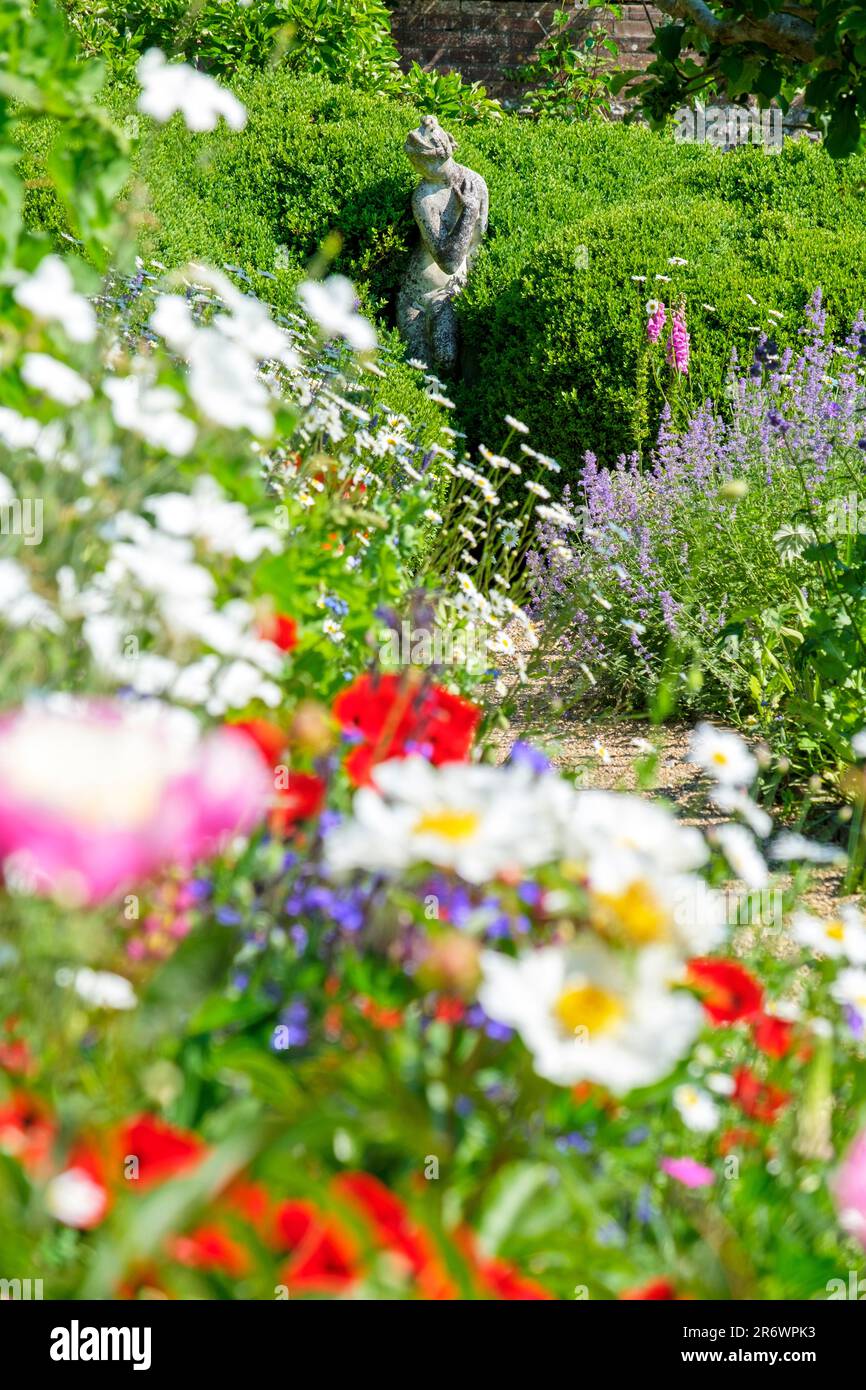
(604, 749)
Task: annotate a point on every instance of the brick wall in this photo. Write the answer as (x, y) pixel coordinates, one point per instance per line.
(480, 38)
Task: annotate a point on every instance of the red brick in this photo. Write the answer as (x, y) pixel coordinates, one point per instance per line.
(480, 38)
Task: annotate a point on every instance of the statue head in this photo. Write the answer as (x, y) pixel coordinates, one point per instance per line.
(429, 147)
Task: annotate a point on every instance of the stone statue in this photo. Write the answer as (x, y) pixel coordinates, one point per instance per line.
(450, 208)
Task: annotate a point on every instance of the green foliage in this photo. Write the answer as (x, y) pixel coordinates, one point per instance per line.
(315, 159)
(808, 649)
(552, 332)
(82, 153)
(345, 39)
(348, 41)
(448, 96)
(571, 73)
(784, 51)
(553, 320)
(214, 35)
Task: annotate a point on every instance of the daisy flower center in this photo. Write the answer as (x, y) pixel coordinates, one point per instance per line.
(635, 914)
(720, 758)
(835, 930)
(449, 824)
(589, 1008)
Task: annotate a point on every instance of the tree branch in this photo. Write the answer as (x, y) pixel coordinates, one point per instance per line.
(786, 34)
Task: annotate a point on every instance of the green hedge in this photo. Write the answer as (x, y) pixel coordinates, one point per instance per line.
(552, 333)
(555, 324)
(248, 200)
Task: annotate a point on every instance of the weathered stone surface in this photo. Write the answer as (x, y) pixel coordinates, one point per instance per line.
(450, 207)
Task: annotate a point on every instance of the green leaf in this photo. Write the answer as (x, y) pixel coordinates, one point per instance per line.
(512, 1191)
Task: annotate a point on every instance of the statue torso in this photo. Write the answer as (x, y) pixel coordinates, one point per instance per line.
(437, 209)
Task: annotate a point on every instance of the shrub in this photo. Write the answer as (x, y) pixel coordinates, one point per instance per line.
(553, 319)
(259, 207)
(349, 41)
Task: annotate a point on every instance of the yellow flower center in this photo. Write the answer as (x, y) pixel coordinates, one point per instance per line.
(635, 914)
(835, 930)
(588, 1008)
(448, 824)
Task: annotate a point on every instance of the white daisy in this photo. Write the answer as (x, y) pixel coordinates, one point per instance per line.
(697, 1109)
(331, 303)
(170, 87)
(790, 845)
(615, 823)
(850, 988)
(588, 1013)
(476, 820)
(735, 801)
(739, 848)
(45, 373)
(103, 989)
(76, 1199)
(637, 906)
(723, 755)
(50, 295)
(840, 938)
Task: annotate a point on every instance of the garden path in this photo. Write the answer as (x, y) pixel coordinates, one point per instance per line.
(604, 749)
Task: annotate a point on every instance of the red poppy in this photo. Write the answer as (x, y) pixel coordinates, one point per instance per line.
(332, 1022)
(280, 629)
(162, 1151)
(737, 1139)
(398, 715)
(269, 738)
(496, 1276)
(211, 1249)
(450, 1010)
(772, 1035)
(758, 1099)
(323, 1257)
(250, 1201)
(16, 1057)
(397, 1232)
(302, 798)
(27, 1130)
(293, 1220)
(506, 1282)
(727, 991)
(379, 1014)
(303, 794)
(657, 1291)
